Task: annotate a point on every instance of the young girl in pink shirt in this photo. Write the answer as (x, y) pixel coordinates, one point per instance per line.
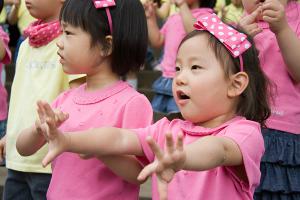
(169, 36)
(222, 95)
(104, 40)
(275, 25)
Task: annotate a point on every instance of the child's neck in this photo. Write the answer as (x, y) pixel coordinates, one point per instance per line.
(52, 18)
(218, 120)
(100, 80)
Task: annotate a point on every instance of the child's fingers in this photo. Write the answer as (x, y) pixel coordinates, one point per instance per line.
(155, 148)
(270, 13)
(269, 19)
(162, 187)
(38, 127)
(49, 111)
(269, 5)
(147, 171)
(254, 32)
(169, 143)
(253, 16)
(51, 124)
(41, 111)
(61, 117)
(179, 143)
(48, 158)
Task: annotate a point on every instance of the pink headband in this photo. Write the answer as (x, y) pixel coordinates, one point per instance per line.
(234, 41)
(106, 4)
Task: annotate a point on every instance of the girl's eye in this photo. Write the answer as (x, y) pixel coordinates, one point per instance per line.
(194, 67)
(177, 69)
(67, 32)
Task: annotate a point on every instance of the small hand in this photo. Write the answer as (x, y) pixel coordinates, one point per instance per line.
(248, 22)
(273, 12)
(150, 10)
(178, 3)
(50, 122)
(166, 164)
(2, 148)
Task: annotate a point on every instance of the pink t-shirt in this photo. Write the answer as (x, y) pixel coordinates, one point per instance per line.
(3, 94)
(286, 106)
(173, 32)
(219, 183)
(118, 105)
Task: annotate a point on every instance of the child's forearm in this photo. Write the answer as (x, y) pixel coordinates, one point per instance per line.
(126, 167)
(12, 17)
(2, 50)
(187, 18)
(29, 141)
(164, 10)
(103, 142)
(155, 37)
(289, 45)
(210, 152)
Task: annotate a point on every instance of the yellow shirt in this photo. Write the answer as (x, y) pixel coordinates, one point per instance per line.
(219, 5)
(3, 16)
(39, 76)
(24, 17)
(232, 14)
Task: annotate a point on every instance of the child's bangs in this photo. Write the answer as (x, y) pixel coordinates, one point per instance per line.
(75, 13)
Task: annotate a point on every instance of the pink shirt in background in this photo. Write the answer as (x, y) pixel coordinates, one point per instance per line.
(173, 32)
(118, 105)
(3, 94)
(286, 106)
(215, 184)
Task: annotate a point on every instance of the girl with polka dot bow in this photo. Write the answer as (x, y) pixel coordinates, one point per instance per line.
(104, 39)
(222, 95)
(275, 25)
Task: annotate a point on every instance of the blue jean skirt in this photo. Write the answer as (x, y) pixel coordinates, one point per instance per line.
(280, 167)
(163, 100)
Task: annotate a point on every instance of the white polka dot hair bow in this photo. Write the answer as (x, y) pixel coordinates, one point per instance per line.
(235, 42)
(106, 4)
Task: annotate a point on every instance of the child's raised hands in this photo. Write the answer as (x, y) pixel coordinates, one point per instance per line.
(48, 124)
(248, 22)
(178, 3)
(166, 164)
(274, 13)
(150, 9)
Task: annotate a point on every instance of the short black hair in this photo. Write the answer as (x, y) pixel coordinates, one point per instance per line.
(254, 101)
(1, 5)
(130, 35)
(207, 3)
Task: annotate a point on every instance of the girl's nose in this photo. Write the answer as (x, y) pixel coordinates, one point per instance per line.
(59, 44)
(180, 78)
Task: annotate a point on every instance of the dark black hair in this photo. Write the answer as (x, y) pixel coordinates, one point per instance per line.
(130, 35)
(207, 3)
(1, 5)
(254, 101)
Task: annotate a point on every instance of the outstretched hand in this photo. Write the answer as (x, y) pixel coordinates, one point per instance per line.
(166, 164)
(274, 14)
(248, 22)
(48, 124)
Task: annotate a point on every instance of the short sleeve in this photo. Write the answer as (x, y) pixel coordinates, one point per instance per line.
(137, 113)
(57, 102)
(164, 28)
(156, 131)
(5, 39)
(248, 137)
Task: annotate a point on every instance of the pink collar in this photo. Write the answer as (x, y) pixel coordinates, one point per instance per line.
(41, 33)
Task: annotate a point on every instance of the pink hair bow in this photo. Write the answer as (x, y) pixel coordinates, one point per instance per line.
(235, 42)
(106, 4)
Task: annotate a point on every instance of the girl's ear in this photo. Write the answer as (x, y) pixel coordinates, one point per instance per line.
(107, 50)
(238, 83)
